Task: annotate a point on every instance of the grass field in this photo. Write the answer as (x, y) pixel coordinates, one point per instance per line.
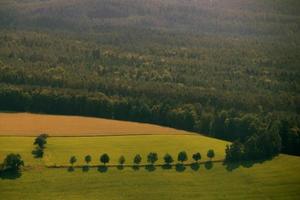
(60, 149)
(27, 124)
(276, 179)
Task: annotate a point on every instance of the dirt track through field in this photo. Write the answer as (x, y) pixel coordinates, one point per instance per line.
(27, 124)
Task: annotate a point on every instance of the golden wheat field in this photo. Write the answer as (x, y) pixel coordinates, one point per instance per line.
(27, 124)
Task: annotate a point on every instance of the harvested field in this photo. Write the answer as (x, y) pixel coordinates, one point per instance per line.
(27, 124)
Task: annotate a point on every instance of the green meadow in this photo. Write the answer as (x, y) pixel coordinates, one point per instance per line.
(275, 179)
(278, 178)
(59, 149)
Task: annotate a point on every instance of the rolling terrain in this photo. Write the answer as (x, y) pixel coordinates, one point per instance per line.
(110, 136)
(127, 77)
(278, 178)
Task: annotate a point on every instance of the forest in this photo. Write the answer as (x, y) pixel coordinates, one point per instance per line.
(228, 69)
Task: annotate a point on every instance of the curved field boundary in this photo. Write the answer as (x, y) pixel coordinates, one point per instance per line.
(28, 124)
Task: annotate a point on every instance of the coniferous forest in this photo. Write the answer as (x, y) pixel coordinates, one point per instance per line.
(227, 69)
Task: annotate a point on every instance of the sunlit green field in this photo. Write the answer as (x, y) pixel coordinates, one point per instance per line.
(60, 149)
(276, 179)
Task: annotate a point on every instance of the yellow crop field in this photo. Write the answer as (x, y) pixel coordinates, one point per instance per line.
(27, 124)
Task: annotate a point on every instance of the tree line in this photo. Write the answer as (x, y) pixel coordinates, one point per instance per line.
(232, 125)
(152, 158)
(234, 81)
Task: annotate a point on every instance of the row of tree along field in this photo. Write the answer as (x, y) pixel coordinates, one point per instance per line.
(152, 157)
(41, 141)
(254, 149)
(13, 163)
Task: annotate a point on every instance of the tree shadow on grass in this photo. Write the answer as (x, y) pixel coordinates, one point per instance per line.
(209, 165)
(136, 167)
(195, 166)
(10, 174)
(166, 166)
(85, 168)
(232, 165)
(37, 153)
(150, 168)
(180, 167)
(102, 169)
(71, 169)
(120, 167)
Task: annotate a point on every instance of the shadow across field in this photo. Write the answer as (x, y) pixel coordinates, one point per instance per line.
(120, 167)
(231, 166)
(102, 169)
(85, 168)
(209, 165)
(136, 167)
(150, 168)
(71, 169)
(167, 166)
(179, 167)
(37, 153)
(9, 174)
(195, 166)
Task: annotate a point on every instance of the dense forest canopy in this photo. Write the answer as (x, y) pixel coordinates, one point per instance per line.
(226, 68)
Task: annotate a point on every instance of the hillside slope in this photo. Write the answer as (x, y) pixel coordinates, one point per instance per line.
(225, 68)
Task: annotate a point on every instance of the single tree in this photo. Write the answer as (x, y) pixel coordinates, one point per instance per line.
(137, 159)
(122, 160)
(152, 157)
(168, 159)
(41, 140)
(182, 156)
(88, 159)
(13, 162)
(104, 158)
(197, 156)
(210, 153)
(73, 160)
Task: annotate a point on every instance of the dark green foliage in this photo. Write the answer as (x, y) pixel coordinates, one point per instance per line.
(210, 153)
(88, 159)
(13, 162)
(38, 152)
(104, 158)
(73, 160)
(168, 159)
(197, 156)
(290, 135)
(137, 159)
(234, 152)
(264, 144)
(152, 157)
(182, 156)
(41, 140)
(132, 70)
(122, 160)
